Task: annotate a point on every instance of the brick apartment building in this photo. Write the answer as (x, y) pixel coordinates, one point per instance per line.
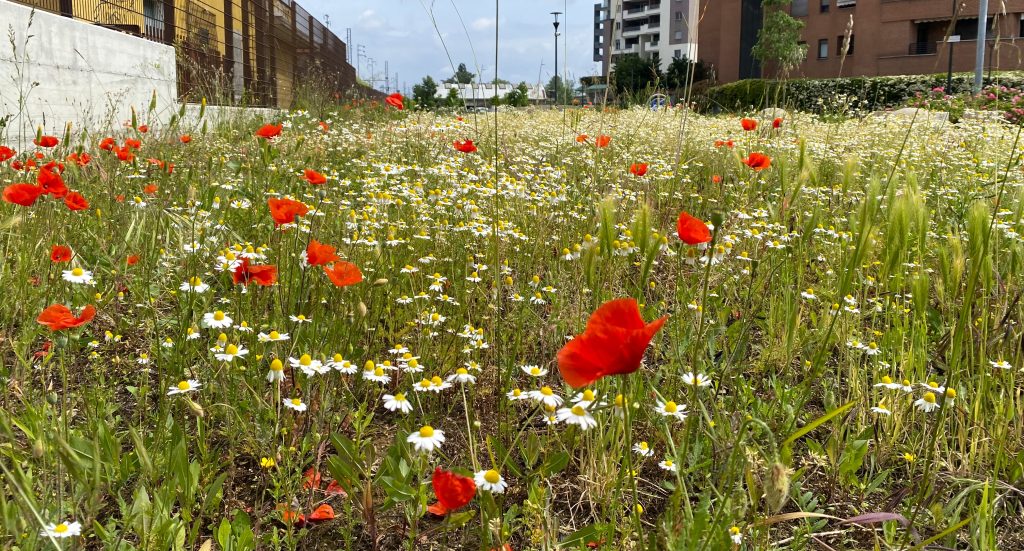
(890, 37)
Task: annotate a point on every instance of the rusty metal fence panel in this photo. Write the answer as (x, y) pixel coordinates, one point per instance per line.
(253, 52)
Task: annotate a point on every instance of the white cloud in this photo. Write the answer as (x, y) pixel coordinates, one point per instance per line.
(482, 24)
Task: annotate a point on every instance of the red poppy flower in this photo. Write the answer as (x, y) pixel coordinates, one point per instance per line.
(314, 177)
(284, 211)
(453, 491)
(777, 123)
(324, 127)
(758, 161)
(322, 513)
(465, 146)
(75, 202)
(343, 274)
(57, 317)
(143, 128)
(311, 479)
(716, 179)
(724, 143)
(185, 138)
(582, 138)
(245, 273)
(6, 153)
(318, 254)
(80, 159)
(52, 183)
(748, 124)
(612, 344)
(602, 140)
(107, 144)
(395, 100)
(151, 189)
(46, 141)
(132, 259)
(133, 143)
(124, 154)
(22, 194)
(268, 131)
(638, 169)
(692, 230)
(60, 253)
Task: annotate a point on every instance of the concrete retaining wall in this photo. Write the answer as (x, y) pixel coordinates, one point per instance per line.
(73, 72)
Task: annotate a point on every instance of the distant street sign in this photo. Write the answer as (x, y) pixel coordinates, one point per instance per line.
(954, 38)
(658, 101)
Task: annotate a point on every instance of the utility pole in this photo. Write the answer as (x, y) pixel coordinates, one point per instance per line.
(360, 54)
(558, 79)
(979, 54)
(348, 45)
(387, 78)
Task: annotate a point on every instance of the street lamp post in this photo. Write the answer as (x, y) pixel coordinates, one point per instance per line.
(558, 82)
(949, 44)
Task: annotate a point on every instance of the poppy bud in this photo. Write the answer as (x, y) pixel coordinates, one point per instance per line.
(776, 492)
(717, 218)
(381, 281)
(196, 408)
(362, 309)
(38, 448)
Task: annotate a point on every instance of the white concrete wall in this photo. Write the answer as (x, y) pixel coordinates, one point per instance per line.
(65, 71)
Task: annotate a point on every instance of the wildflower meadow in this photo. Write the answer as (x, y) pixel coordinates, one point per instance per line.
(377, 328)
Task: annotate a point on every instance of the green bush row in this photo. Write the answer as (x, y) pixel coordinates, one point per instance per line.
(869, 93)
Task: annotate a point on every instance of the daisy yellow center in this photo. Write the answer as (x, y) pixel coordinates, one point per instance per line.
(578, 411)
(195, 281)
(950, 393)
(337, 358)
(492, 476)
(588, 395)
(60, 528)
(546, 391)
(516, 392)
(379, 372)
(906, 382)
(643, 445)
(305, 360)
(427, 431)
(296, 401)
(218, 315)
(436, 380)
(425, 383)
(668, 463)
(619, 400)
(535, 371)
(184, 385)
(886, 380)
(276, 365)
(461, 371)
(413, 364)
(369, 365)
(407, 356)
(399, 397)
(933, 384)
(929, 397)
(435, 316)
(671, 407)
(275, 335)
(231, 349)
(300, 317)
(230, 256)
(77, 272)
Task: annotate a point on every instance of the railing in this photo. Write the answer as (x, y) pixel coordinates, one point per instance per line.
(261, 52)
(922, 48)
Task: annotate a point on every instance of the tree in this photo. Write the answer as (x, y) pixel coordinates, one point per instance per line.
(633, 74)
(453, 100)
(778, 41)
(425, 93)
(678, 75)
(559, 91)
(461, 76)
(519, 96)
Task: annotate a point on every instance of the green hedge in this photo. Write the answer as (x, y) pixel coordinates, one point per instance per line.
(873, 93)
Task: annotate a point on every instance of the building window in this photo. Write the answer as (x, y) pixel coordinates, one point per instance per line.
(679, 16)
(840, 41)
(679, 35)
(823, 48)
(678, 54)
(846, 3)
(799, 8)
(825, 5)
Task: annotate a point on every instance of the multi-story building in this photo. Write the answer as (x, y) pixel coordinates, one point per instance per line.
(659, 30)
(887, 37)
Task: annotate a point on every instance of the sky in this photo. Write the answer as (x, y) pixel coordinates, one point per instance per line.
(401, 32)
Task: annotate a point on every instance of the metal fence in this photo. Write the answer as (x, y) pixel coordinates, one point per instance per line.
(258, 52)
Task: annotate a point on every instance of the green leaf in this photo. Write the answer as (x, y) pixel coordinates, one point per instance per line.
(816, 423)
(555, 463)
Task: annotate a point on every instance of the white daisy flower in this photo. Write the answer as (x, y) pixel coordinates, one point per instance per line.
(462, 375)
(184, 386)
(427, 439)
(276, 372)
(294, 404)
(671, 409)
(880, 409)
(699, 379)
(194, 285)
(231, 352)
(534, 370)
(1001, 364)
(78, 276)
(300, 319)
(61, 530)
(490, 481)
(643, 449)
(576, 415)
(668, 465)
(397, 402)
(546, 396)
(927, 403)
(272, 336)
(216, 320)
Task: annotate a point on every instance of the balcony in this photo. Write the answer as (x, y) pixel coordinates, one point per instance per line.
(922, 48)
(642, 11)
